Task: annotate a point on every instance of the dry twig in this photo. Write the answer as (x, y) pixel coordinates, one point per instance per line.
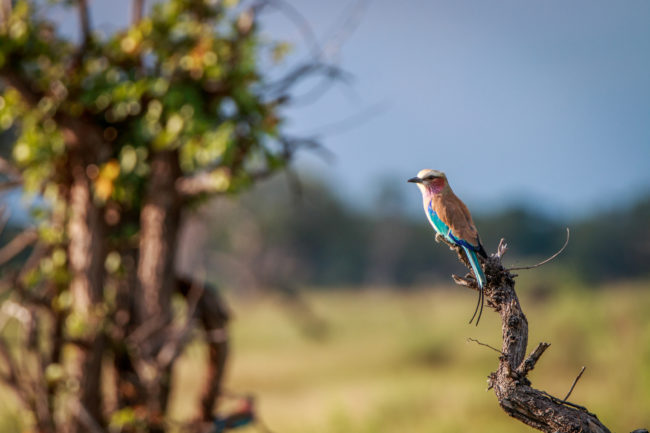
(484, 344)
(582, 370)
(566, 242)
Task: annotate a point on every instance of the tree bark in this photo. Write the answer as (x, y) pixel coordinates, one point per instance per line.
(87, 253)
(159, 222)
(510, 382)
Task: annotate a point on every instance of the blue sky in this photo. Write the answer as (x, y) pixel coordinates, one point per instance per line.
(546, 102)
(542, 101)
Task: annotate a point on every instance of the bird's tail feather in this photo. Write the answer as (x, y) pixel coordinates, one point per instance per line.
(480, 279)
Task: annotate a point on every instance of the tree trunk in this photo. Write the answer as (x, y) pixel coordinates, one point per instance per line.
(159, 222)
(87, 253)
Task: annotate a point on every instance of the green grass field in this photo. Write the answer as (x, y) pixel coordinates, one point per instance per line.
(391, 361)
(396, 362)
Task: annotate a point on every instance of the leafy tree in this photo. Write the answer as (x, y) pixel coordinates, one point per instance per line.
(120, 134)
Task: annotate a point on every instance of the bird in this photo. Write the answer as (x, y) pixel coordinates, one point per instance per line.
(451, 219)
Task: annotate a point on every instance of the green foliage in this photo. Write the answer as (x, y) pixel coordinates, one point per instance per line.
(186, 77)
(168, 111)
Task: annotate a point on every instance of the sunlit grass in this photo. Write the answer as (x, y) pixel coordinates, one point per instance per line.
(391, 362)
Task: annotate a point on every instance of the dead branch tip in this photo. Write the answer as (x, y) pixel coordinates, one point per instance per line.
(566, 242)
(582, 370)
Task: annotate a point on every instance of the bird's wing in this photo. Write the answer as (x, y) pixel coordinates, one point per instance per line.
(440, 227)
(453, 212)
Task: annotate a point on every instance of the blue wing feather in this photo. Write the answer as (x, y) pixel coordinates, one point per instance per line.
(445, 231)
(440, 227)
(470, 251)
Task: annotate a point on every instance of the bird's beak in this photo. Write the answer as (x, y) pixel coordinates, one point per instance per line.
(415, 180)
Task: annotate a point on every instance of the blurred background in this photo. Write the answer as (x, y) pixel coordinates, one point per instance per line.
(345, 318)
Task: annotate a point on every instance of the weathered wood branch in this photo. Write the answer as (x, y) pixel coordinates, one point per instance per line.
(510, 382)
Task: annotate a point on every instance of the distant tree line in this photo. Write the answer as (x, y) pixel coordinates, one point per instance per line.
(270, 236)
(317, 240)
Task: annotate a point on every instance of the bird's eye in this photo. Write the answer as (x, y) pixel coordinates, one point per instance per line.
(430, 177)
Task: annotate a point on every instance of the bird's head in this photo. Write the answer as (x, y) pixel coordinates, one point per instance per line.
(430, 181)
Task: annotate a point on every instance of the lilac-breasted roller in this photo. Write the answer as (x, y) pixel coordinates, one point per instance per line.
(451, 219)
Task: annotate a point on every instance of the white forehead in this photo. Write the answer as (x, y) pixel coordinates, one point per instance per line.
(428, 172)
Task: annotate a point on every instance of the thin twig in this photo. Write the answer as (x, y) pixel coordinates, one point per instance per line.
(566, 242)
(349, 123)
(582, 370)
(566, 403)
(352, 18)
(486, 345)
(301, 23)
(467, 282)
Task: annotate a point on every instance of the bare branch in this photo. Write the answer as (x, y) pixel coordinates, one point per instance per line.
(137, 8)
(84, 23)
(214, 317)
(516, 397)
(463, 281)
(566, 242)
(299, 21)
(176, 342)
(17, 244)
(200, 183)
(301, 72)
(351, 122)
(5, 12)
(582, 370)
(352, 18)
